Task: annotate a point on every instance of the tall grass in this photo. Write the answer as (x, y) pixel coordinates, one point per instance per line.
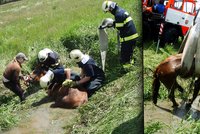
(62, 25)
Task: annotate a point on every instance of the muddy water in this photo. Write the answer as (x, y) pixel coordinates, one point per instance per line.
(171, 117)
(44, 120)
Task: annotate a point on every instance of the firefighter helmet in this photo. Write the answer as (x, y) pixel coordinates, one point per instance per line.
(76, 55)
(107, 5)
(42, 55)
(44, 81)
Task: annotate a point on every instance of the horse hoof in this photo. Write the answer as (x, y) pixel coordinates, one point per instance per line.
(188, 105)
(54, 105)
(154, 102)
(175, 105)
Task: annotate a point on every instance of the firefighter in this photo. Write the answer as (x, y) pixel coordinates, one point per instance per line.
(48, 58)
(91, 77)
(159, 7)
(11, 76)
(127, 31)
(56, 73)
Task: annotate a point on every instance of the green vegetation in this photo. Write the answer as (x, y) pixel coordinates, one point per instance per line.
(189, 127)
(153, 127)
(62, 25)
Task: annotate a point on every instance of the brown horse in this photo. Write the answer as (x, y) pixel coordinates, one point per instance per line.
(167, 72)
(63, 97)
(68, 97)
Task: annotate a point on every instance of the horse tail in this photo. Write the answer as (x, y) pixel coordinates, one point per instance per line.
(155, 87)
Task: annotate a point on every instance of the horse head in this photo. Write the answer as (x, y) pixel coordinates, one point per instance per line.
(35, 75)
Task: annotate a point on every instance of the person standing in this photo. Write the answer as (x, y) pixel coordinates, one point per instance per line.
(11, 76)
(159, 7)
(127, 31)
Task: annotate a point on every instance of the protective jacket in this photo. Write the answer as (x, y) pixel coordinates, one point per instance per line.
(124, 23)
(90, 69)
(59, 75)
(52, 61)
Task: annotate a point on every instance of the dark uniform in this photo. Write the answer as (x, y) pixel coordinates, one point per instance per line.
(128, 34)
(96, 74)
(11, 78)
(53, 63)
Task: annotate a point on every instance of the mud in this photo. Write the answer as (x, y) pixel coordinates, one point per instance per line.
(171, 117)
(44, 120)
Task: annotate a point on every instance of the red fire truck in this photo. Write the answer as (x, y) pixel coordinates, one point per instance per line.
(178, 16)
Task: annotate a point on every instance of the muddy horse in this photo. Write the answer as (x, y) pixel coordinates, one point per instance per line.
(166, 72)
(63, 97)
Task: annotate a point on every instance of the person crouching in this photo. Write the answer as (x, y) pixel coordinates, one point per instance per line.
(11, 75)
(91, 77)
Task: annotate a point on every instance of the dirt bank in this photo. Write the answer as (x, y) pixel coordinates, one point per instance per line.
(170, 117)
(44, 120)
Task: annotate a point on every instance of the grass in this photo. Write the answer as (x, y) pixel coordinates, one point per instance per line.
(189, 127)
(153, 127)
(117, 108)
(62, 25)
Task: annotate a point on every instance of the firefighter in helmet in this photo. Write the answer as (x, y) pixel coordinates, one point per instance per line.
(127, 31)
(159, 7)
(91, 77)
(55, 72)
(48, 58)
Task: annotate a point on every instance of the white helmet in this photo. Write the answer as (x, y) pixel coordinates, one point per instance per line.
(47, 50)
(42, 55)
(107, 22)
(107, 5)
(46, 79)
(76, 55)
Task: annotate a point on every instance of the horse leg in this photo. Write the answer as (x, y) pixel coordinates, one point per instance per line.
(171, 95)
(172, 98)
(64, 102)
(196, 90)
(53, 90)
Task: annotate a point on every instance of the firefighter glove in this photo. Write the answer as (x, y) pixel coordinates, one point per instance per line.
(69, 83)
(107, 23)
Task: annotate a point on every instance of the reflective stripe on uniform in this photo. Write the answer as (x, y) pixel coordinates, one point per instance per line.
(127, 20)
(119, 24)
(126, 13)
(129, 37)
(122, 24)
